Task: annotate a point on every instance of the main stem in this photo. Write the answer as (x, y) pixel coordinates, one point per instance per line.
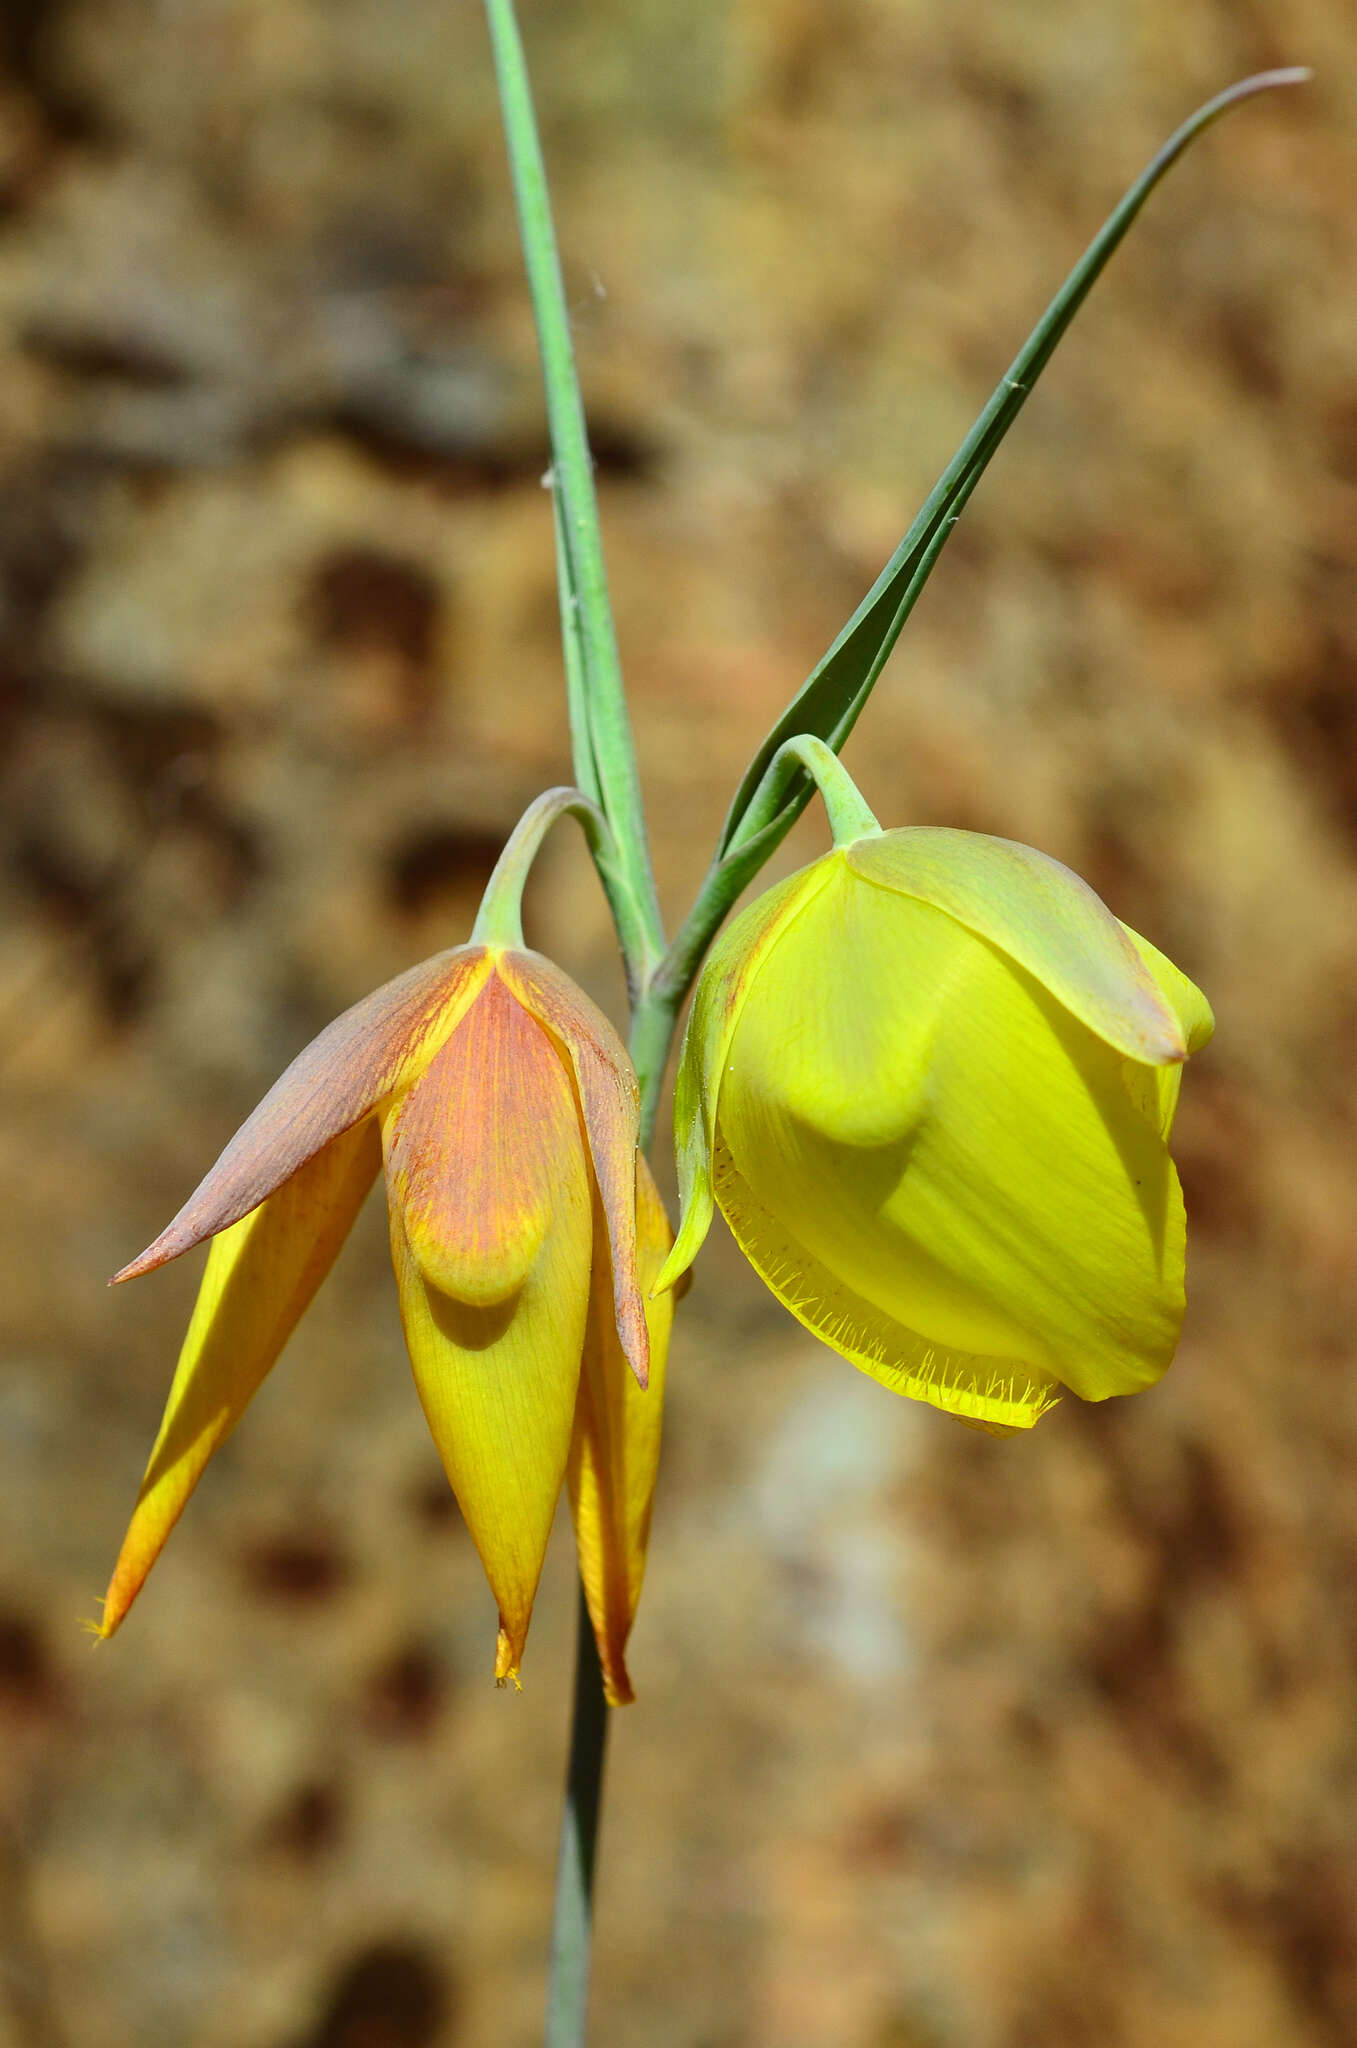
(605, 769)
(652, 1035)
(572, 1926)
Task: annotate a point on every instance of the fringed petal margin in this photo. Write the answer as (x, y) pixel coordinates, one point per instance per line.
(616, 1447)
(261, 1275)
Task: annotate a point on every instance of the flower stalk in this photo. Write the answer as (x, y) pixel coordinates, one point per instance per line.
(499, 921)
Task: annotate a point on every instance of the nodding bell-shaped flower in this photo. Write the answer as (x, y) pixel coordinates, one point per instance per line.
(930, 1080)
(526, 1233)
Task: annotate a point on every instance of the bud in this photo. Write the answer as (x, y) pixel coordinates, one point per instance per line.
(930, 1080)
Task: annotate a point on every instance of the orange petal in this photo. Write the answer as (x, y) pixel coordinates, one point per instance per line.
(490, 1196)
(616, 1448)
(376, 1048)
(610, 1104)
(261, 1275)
(472, 1156)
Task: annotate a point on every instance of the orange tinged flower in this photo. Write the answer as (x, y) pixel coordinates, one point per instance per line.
(526, 1234)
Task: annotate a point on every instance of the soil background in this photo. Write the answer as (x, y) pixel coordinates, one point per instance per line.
(940, 1742)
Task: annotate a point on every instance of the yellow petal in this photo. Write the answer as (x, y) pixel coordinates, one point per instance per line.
(616, 1447)
(609, 1099)
(375, 1049)
(1042, 915)
(261, 1275)
(1155, 1089)
(937, 1167)
(497, 1376)
(733, 966)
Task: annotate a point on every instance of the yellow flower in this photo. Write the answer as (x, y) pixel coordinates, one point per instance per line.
(930, 1081)
(526, 1234)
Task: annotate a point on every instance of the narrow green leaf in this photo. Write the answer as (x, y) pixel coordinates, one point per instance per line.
(604, 755)
(576, 664)
(828, 703)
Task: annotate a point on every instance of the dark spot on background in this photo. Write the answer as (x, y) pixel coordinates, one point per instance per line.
(362, 597)
(1246, 340)
(27, 1682)
(390, 1996)
(91, 906)
(622, 451)
(29, 39)
(299, 1571)
(406, 1694)
(103, 355)
(883, 1836)
(434, 1504)
(439, 860)
(309, 1823)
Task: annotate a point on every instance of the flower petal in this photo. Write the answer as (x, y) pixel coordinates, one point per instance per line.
(261, 1275)
(1043, 916)
(610, 1104)
(497, 1374)
(376, 1048)
(721, 990)
(1002, 1395)
(1154, 1090)
(615, 1451)
(938, 1138)
(470, 1161)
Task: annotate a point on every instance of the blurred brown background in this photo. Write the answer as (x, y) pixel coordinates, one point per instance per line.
(941, 1743)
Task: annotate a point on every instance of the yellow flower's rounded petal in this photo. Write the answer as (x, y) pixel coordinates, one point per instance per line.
(610, 1105)
(375, 1049)
(261, 1275)
(917, 1141)
(731, 968)
(1001, 1395)
(615, 1451)
(1154, 1090)
(1183, 997)
(497, 1364)
(1040, 914)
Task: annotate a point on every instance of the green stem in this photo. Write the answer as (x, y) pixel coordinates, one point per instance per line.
(499, 921)
(652, 1034)
(604, 754)
(850, 816)
(572, 1928)
(605, 769)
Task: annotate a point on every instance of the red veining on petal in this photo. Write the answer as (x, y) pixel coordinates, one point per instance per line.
(609, 1098)
(476, 1150)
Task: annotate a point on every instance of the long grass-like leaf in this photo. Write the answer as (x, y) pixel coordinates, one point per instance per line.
(600, 728)
(829, 701)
